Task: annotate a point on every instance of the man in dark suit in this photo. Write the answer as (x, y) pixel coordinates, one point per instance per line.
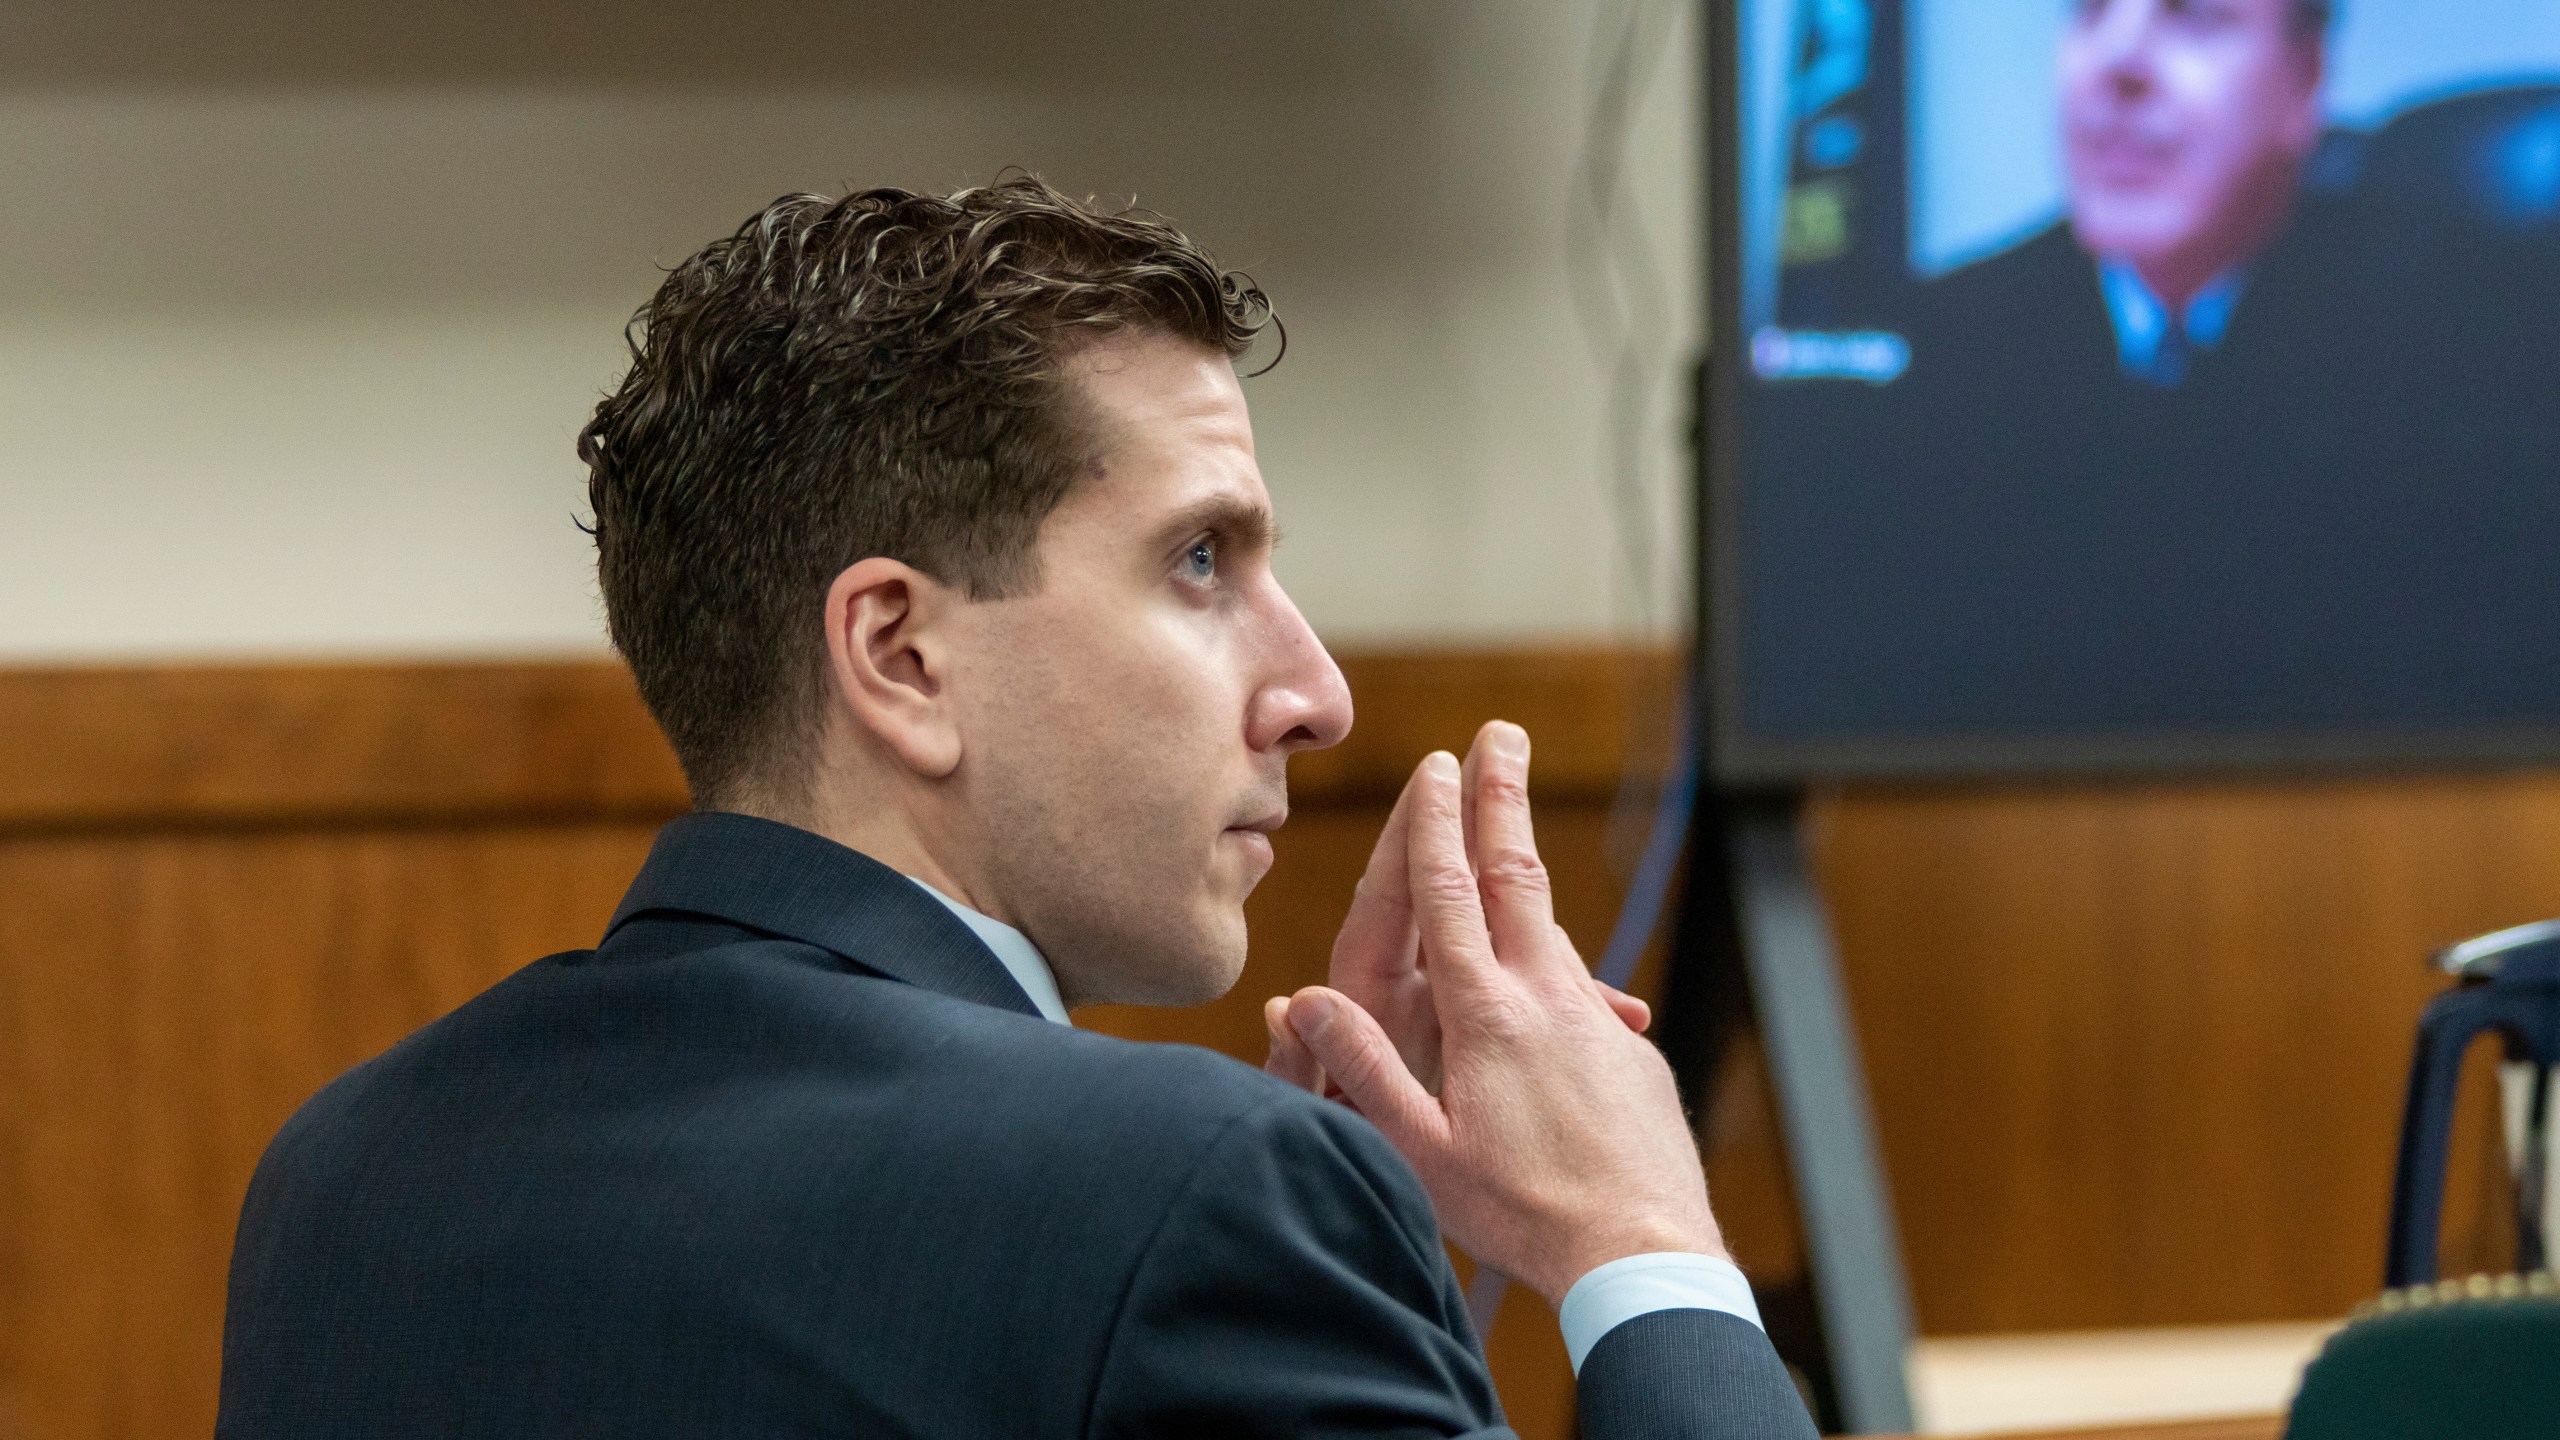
(932, 532)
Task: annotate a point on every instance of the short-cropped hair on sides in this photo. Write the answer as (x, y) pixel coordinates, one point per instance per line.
(880, 375)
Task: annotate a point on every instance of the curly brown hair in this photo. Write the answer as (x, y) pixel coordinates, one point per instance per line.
(876, 375)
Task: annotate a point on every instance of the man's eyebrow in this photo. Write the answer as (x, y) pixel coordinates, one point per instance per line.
(1240, 522)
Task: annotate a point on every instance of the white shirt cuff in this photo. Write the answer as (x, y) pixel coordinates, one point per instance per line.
(1641, 1284)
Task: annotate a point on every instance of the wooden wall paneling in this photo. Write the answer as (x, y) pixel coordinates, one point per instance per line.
(2138, 1053)
(170, 999)
(304, 744)
(233, 744)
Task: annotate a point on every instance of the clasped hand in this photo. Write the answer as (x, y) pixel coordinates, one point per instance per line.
(1462, 1023)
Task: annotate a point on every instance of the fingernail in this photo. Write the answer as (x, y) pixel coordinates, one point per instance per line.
(1319, 1016)
(1508, 740)
(1441, 764)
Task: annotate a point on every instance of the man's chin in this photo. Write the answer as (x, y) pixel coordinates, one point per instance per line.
(1168, 969)
(2129, 229)
(1179, 987)
(1218, 960)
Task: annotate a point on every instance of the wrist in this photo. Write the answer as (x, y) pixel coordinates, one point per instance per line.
(1599, 1251)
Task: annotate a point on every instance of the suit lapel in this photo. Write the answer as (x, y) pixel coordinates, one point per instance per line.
(789, 882)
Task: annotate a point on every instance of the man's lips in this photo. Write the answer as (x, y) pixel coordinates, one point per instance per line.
(1255, 834)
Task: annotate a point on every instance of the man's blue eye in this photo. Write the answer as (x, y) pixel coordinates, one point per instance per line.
(1202, 558)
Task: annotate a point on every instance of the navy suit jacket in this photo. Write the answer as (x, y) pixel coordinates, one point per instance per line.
(790, 1154)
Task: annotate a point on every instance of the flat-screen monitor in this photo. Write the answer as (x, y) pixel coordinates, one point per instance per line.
(2155, 384)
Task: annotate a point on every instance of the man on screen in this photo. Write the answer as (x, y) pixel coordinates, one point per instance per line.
(2186, 126)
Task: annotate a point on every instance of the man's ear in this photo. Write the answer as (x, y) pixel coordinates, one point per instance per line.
(888, 637)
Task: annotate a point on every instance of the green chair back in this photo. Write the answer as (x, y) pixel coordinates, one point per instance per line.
(2475, 1359)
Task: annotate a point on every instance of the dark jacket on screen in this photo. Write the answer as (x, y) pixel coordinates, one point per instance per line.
(2339, 522)
(790, 1154)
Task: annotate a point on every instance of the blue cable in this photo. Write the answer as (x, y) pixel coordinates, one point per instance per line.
(1650, 887)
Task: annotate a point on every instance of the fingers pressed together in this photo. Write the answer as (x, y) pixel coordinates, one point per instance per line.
(1457, 859)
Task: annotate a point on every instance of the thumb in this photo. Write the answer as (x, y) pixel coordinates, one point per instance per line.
(1289, 1058)
(1355, 1052)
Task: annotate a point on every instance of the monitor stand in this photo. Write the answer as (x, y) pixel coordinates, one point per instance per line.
(1755, 952)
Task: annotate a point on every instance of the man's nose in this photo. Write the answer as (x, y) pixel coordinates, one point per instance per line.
(1304, 704)
(2123, 38)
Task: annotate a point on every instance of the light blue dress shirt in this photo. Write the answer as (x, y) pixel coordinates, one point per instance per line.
(1014, 951)
(2151, 345)
(1598, 1302)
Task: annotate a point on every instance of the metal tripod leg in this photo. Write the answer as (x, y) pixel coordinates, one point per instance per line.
(1859, 1287)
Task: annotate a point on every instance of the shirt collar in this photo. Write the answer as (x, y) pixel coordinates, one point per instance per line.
(2141, 319)
(1014, 950)
(764, 875)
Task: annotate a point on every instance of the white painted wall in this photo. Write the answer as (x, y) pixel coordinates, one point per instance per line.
(302, 305)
